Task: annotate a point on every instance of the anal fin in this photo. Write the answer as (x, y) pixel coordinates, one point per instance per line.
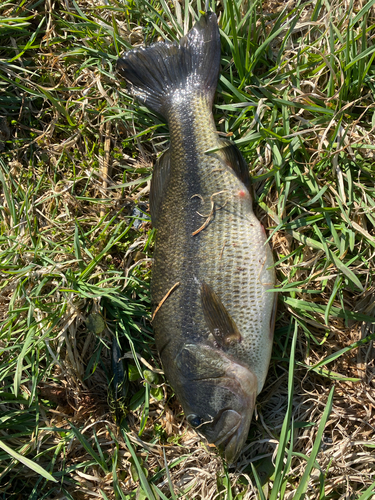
(159, 181)
(218, 320)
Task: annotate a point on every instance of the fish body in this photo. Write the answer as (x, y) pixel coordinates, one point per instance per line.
(213, 316)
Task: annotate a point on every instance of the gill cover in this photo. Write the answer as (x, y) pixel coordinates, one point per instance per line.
(217, 395)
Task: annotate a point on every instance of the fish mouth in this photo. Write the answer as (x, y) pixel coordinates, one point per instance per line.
(237, 423)
(236, 386)
(230, 428)
(232, 432)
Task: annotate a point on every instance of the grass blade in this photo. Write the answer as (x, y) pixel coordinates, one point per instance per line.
(144, 483)
(302, 487)
(285, 430)
(29, 463)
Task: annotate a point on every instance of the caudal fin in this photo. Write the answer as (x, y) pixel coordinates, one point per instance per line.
(157, 72)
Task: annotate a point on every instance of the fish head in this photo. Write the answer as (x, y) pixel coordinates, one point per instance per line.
(218, 396)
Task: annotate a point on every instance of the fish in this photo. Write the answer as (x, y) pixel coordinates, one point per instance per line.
(213, 314)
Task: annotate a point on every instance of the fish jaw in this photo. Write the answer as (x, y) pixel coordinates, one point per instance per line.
(233, 442)
(224, 419)
(234, 425)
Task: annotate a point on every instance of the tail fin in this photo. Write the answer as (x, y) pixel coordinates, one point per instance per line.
(156, 72)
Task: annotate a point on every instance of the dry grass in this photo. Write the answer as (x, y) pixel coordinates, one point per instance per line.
(76, 160)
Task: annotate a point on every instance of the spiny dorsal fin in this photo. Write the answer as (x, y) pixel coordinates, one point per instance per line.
(230, 155)
(273, 316)
(218, 320)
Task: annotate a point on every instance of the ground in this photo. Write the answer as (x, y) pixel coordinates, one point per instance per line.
(296, 93)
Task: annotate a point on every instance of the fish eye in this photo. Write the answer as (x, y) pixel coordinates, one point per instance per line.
(194, 420)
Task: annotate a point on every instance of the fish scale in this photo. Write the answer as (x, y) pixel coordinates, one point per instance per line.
(213, 314)
(232, 246)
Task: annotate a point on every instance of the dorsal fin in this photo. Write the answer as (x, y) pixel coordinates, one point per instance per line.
(229, 154)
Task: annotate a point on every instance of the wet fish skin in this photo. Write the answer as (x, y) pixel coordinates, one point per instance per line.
(214, 330)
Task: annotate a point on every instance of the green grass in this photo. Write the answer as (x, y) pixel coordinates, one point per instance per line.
(82, 398)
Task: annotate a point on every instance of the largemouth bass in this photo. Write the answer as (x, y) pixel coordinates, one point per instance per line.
(213, 318)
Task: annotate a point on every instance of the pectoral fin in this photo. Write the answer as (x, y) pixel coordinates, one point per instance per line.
(159, 182)
(230, 155)
(218, 320)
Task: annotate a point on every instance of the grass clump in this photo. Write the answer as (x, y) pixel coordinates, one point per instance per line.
(83, 399)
